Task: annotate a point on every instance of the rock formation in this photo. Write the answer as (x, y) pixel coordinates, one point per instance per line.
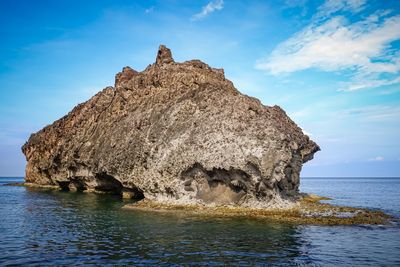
(175, 132)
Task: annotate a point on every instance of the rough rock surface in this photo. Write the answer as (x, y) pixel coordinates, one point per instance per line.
(177, 132)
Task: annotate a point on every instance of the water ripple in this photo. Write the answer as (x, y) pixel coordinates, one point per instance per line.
(51, 228)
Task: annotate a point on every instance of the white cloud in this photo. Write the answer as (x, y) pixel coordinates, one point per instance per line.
(378, 158)
(209, 8)
(332, 43)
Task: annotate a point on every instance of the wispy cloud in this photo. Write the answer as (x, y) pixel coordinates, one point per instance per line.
(209, 8)
(332, 6)
(363, 84)
(378, 158)
(372, 113)
(301, 4)
(332, 43)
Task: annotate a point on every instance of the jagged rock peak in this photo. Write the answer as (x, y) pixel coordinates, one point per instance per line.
(164, 55)
(125, 75)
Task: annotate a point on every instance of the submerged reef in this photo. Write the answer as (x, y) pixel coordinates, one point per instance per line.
(308, 210)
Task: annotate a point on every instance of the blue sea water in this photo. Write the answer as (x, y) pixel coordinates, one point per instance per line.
(53, 228)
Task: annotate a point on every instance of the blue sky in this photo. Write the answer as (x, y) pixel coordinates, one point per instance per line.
(333, 65)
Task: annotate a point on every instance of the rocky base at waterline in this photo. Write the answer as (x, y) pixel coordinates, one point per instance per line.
(307, 210)
(177, 133)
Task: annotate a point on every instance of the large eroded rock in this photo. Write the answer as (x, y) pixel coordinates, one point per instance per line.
(177, 132)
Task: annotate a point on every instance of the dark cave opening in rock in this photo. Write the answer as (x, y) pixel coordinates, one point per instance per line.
(104, 182)
(132, 193)
(108, 183)
(216, 185)
(64, 185)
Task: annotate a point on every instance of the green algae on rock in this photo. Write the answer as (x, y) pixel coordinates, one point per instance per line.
(308, 210)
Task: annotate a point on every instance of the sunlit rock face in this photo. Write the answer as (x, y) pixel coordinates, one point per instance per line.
(175, 132)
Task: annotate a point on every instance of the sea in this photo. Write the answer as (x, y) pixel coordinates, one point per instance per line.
(55, 228)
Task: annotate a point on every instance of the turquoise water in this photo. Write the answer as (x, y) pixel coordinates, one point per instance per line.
(52, 228)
